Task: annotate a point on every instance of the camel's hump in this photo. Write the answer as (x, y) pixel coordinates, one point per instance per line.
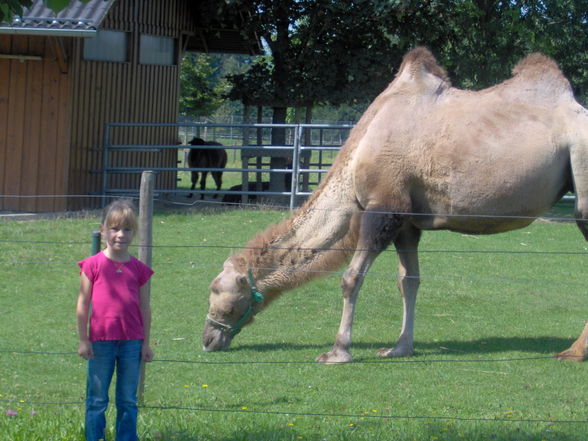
(420, 61)
(542, 72)
(537, 64)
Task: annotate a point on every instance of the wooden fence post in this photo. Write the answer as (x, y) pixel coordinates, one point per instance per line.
(145, 243)
(95, 242)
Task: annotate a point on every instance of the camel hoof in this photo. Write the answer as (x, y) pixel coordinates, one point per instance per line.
(571, 355)
(334, 357)
(579, 349)
(395, 352)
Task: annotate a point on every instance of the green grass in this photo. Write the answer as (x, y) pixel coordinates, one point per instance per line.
(480, 317)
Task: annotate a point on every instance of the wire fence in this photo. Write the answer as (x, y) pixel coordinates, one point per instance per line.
(359, 416)
(535, 359)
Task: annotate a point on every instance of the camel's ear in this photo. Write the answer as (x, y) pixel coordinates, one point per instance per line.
(241, 281)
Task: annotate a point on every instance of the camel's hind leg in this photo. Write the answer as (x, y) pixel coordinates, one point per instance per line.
(579, 161)
(408, 284)
(579, 350)
(377, 230)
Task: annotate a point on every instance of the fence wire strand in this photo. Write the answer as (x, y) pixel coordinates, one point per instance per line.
(356, 416)
(204, 204)
(370, 274)
(309, 362)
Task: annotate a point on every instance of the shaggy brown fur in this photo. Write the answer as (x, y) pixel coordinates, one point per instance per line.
(421, 61)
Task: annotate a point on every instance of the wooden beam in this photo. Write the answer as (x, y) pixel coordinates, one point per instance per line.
(21, 57)
(60, 54)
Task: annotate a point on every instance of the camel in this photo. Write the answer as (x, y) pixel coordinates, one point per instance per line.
(424, 156)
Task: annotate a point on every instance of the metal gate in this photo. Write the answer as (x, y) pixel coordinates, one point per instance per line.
(305, 155)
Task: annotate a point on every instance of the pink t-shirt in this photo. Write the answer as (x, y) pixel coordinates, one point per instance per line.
(116, 305)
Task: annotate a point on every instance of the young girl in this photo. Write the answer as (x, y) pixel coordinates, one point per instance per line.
(114, 284)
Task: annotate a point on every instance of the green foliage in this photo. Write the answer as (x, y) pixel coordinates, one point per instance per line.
(8, 8)
(204, 84)
(200, 92)
(345, 51)
(491, 311)
(58, 5)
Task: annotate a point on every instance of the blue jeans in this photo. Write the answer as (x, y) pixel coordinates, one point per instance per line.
(125, 356)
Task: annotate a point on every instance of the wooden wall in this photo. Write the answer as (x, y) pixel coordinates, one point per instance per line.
(126, 92)
(53, 111)
(34, 125)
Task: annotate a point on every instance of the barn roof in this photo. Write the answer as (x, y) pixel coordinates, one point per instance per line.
(83, 19)
(76, 20)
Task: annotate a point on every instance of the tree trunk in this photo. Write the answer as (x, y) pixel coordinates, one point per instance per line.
(280, 181)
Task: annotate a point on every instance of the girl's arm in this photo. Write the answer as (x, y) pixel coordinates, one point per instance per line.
(147, 353)
(83, 315)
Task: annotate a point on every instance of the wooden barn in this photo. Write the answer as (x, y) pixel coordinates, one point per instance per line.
(63, 76)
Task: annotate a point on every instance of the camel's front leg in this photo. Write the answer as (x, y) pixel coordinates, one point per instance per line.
(376, 231)
(351, 283)
(408, 283)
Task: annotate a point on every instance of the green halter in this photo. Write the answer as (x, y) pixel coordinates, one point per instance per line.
(256, 297)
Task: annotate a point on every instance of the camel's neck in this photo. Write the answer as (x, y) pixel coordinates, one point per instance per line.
(317, 238)
(320, 237)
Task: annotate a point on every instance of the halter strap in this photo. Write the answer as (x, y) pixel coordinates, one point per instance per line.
(256, 297)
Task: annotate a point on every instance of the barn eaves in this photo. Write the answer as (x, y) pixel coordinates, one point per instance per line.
(77, 20)
(83, 19)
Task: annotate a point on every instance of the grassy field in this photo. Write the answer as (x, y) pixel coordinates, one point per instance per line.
(491, 311)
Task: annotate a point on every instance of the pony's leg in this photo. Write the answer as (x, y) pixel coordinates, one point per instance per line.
(377, 230)
(203, 183)
(408, 284)
(194, 180)
(218, 180)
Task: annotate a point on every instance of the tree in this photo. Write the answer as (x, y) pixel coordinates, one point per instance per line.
(319, 51)
(200, 91)
(345, 51)
(479, 41)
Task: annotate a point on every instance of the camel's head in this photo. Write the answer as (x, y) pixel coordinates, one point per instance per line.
(233, 302)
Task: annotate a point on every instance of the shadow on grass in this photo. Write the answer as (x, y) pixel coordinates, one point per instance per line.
(397, 429)
(543, 345)
(539, 346)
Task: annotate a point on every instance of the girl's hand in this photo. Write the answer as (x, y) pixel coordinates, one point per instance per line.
(85, 350)
(147, 353)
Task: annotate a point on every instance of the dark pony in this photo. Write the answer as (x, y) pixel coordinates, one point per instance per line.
(206, 158)
(231, 198)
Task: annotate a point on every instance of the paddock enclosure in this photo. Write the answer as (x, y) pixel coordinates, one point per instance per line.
(59, 87)
(492, 311)
(307, 155)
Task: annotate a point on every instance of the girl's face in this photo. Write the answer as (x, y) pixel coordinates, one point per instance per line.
(118, 238)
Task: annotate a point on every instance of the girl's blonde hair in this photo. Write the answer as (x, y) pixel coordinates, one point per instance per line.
(120, 213)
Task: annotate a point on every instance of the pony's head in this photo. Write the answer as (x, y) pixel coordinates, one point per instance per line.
(233, 302)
